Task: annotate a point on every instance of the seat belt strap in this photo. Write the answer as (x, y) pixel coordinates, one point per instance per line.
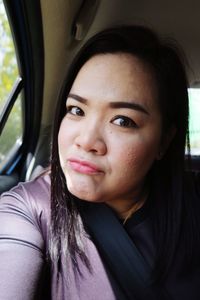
(118, 251)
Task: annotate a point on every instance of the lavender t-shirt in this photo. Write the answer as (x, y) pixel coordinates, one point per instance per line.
(24, 221)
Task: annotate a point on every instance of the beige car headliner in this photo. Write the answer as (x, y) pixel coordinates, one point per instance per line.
(179, 19)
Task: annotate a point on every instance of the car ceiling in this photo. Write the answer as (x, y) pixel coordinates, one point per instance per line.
(178, 19)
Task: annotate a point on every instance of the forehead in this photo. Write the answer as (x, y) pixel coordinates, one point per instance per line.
(119, 76)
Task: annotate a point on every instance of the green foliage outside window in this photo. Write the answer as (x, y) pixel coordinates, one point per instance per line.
(8, 63)
(12, 131)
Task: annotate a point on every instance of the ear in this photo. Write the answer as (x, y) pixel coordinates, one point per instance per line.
(166, 141)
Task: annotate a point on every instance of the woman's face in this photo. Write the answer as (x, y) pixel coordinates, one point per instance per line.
(111, 133)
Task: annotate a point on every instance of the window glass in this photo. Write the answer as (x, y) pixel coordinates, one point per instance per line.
(8, 62)
(11, 136)
(194, 121)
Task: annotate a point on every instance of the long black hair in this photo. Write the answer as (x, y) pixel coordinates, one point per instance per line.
(171, 208)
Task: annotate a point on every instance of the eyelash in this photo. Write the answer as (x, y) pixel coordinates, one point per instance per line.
(70, 110)
(129, 123)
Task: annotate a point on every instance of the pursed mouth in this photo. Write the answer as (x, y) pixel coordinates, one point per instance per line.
(84, 167)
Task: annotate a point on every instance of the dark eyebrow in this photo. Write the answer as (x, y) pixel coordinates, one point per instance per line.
(131, 105)
(78, 98)
(118, 104)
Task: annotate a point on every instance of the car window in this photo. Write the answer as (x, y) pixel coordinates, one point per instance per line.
(11, 136)
(12, 129)
(194, 121)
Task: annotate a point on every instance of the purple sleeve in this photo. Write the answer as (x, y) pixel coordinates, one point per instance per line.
(22, 242)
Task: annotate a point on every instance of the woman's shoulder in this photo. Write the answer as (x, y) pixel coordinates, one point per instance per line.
(30, 199)
(36, 191)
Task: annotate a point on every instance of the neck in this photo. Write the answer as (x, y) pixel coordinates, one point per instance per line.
(128, 213)
(126, 208)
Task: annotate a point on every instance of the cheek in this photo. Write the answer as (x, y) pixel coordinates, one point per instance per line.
(64, 140)
(61, 137)
(136, 156)
(65, 135)
(61, 147)
(132, 157)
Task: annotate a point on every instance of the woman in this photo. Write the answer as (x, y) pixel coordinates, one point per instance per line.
(118, 158)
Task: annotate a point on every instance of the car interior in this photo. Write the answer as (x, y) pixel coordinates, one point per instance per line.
(47, 34)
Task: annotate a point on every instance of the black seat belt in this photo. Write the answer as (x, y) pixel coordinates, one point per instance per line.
(118, 251)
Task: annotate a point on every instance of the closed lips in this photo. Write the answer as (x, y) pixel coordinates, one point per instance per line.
(84, 166)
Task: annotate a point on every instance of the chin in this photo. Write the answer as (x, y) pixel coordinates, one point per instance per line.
(84, 195)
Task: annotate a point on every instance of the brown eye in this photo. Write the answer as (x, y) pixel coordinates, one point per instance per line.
(75, 110)
(123, 121)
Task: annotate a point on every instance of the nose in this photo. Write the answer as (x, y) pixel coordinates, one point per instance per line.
(90, 139)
